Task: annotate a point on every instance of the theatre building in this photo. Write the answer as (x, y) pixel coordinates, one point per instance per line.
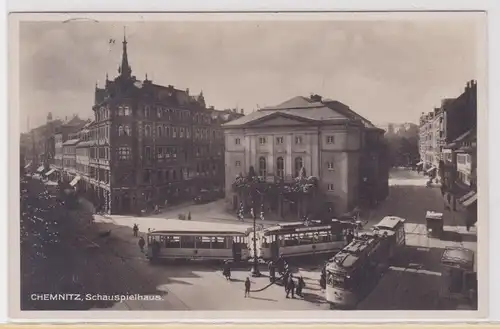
(343, 150)
(152, 144)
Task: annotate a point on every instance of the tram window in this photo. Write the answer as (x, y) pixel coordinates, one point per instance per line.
(218, 243)
(306, 238)
(202, 242)
(456, 280)
(187, 242)
(173, 242)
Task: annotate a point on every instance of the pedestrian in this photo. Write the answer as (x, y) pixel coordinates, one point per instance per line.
(272, 271)
(290, 287)
(141, 243)
(135, 229)
(157, 209)
(300, 285)
(247, 287)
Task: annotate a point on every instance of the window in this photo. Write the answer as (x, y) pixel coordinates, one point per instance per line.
(330, 166)
(146, 111)
(330, 139)
(174, 132)
(147, 152)
(298, 166)
(298, 139)
(126, 130)
(147, 131)
(279, 140)
(262, 140)
(174, 174)
(181, 133)
(159, 152)
(262, 167)
(121, 111)
(159, 111)
(160, 131)
(120, 130)
(126, 110)
(188, 133)
(146, 176)
(124, 153)
(237, 141)
(330, 187)
(237, 164)
(167, 131)
(280, 166)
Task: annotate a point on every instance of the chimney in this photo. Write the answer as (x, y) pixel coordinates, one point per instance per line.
(235, 110)
(316, 98)
(242, 111)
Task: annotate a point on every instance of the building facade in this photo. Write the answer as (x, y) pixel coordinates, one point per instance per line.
(326, 138)
(152, 144)
(444, 125)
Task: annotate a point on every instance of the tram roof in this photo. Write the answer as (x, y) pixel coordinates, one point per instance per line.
(347, 259)
(458, 257)
(389, 222)
(300, 227)
(198, 232)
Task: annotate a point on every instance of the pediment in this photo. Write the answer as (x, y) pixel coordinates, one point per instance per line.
(280, 119)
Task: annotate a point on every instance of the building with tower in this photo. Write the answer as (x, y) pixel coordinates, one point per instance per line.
(151, 144)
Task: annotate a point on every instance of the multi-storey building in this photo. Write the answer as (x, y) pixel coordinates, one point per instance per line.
(445, 124)
(152, 143)
(343, 150)
(64, 159)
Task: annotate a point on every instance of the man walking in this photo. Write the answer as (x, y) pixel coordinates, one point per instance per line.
(247, 287)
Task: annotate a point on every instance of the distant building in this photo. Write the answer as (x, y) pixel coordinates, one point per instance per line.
(345, 151)
(445, 124)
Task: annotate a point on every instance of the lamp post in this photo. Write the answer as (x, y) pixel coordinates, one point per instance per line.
(255, 266)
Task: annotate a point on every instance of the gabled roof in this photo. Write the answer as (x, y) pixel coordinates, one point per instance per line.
(304, 109)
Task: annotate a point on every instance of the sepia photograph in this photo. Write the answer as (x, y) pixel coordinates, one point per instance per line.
(252, 162)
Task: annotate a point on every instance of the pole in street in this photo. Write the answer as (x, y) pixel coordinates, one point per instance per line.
(255, 267)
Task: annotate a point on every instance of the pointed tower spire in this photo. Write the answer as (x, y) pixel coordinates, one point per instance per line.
(125, 70)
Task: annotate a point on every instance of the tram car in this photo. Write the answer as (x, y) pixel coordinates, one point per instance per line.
(300, 239)
(353, 272)
(221, 245)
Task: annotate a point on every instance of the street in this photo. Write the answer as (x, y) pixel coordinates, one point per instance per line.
(87, 263)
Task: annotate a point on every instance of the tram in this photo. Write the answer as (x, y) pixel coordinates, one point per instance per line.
(300, 239)
(353, 272)
(221, 245)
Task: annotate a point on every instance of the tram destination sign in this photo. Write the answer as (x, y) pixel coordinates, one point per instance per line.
(314, 228)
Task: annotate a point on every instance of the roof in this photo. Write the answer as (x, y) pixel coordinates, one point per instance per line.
(86, 144)
(306, 108)
(389, 222)
(196, 231)
(71, 142)
(458, 257)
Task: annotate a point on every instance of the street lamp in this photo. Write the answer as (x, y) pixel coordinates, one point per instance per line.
(255, 266)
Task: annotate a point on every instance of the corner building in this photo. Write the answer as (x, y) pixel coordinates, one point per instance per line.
(152, 144)
(345, 151)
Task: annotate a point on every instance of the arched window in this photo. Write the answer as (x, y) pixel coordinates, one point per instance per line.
(127, 130)
(298, 165)
(167, 131)
(262, 167)
(147, 131)
(280, 166)
(120, 130)
(160, 131)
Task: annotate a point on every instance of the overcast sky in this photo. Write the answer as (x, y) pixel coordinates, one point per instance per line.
(388, 71)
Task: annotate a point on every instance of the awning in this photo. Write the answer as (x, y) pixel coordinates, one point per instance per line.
(28, 165)
(75, 180)
(40, 169)
(48, 173)
(431, 169)
(468, 199)
(420, 163)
